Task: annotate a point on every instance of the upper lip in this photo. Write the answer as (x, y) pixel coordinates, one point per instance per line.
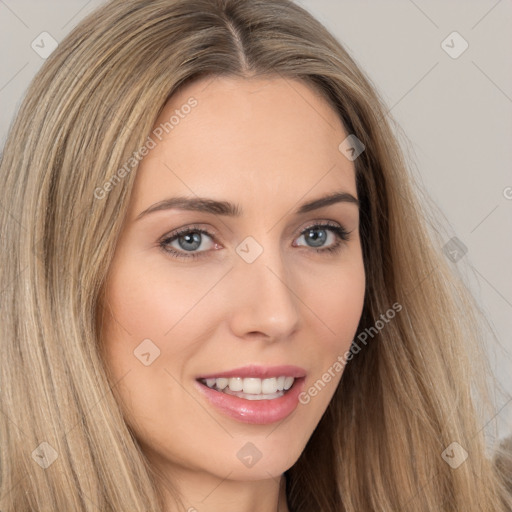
(258, 371)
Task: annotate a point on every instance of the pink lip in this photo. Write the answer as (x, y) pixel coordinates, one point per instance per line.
(254, 411)
(261, 372)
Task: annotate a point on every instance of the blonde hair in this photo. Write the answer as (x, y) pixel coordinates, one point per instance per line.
(402, 400)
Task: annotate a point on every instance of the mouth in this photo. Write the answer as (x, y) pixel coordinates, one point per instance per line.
(254, 394)
(251, 388)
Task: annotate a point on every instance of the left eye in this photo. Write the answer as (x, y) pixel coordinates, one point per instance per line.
(319, 237)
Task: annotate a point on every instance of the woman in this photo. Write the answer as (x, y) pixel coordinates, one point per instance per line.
(223, 292)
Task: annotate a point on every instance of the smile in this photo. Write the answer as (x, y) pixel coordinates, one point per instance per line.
(251, 388)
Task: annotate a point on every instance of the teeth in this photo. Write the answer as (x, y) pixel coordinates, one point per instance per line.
(236, 384)
(269, 385)
(251, 385)
(221, 383)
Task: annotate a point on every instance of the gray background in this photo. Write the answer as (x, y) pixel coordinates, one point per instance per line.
(455, 112)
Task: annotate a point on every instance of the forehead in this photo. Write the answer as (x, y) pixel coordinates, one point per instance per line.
(266, 137)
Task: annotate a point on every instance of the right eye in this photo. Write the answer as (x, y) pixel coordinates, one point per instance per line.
(185, 242)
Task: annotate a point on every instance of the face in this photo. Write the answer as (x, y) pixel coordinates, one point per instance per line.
(223, 308)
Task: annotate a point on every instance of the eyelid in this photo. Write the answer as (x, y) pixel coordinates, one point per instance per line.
(321, 223)
(195, 228)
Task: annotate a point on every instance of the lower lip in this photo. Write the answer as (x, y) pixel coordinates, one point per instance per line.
(260, 412)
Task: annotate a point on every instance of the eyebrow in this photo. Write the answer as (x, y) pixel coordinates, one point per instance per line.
(205, 205)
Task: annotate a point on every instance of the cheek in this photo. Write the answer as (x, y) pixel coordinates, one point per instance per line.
(152, 303)
(336, 297)
(335, 300)
(148, 342)
(150, 335)
(342, 304)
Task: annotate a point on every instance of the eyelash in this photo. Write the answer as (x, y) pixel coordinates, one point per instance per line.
(341, 234)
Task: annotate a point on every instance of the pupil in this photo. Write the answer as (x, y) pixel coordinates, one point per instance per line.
(190, 238)
(317, 240)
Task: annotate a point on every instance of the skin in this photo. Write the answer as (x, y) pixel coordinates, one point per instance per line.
(267, 145)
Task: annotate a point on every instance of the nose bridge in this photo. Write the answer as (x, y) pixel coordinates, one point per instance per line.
(264, 300)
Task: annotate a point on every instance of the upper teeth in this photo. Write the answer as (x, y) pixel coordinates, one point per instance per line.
(252, 385)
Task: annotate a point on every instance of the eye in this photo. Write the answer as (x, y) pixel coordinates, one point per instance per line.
(185, 242)
(325, 237)
(192, 241)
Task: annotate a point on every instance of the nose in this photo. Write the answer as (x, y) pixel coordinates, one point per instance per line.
(263, 301)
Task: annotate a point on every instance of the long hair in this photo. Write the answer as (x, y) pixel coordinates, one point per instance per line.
(402, 400)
